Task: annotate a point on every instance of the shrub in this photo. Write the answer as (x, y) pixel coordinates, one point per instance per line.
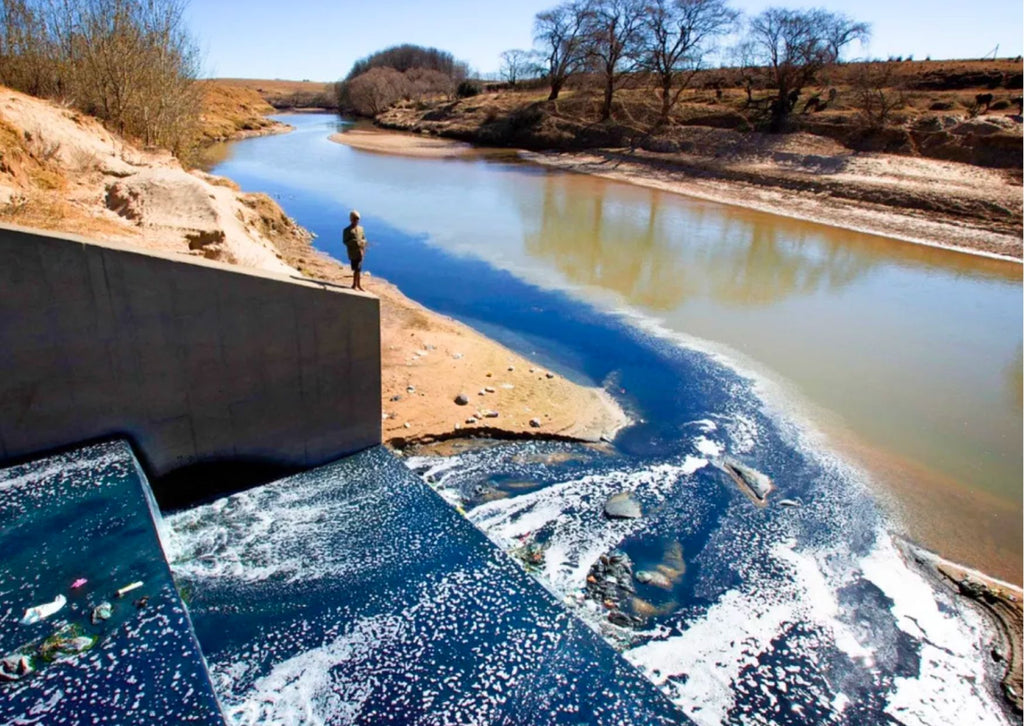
(131, 63)
(467, 89)
(377, 90)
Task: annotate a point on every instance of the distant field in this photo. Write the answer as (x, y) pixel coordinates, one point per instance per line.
(287, 94)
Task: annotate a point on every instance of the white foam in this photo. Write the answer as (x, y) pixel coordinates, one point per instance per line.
(711, 449)
(697, 669)
(951, 685)
(235, 538)
(302, 690)
(572, 512)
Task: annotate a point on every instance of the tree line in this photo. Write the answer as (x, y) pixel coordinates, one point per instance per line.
(131, 63)
(402, 72)
(669, 41)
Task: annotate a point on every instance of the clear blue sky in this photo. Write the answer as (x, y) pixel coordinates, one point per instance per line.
(320, 39)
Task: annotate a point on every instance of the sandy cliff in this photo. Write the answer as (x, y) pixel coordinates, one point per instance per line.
(62, 170)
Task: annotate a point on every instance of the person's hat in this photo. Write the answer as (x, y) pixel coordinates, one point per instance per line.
(354, 214)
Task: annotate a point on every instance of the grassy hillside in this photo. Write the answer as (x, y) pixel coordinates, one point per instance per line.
(231, 111)
(287, 94)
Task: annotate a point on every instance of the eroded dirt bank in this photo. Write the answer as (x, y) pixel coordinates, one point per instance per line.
(920, 200)
(62, 170)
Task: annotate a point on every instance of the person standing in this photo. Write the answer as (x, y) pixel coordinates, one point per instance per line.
(355, 242)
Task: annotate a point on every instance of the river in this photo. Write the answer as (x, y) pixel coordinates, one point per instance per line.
(878, 383)
(908, 358)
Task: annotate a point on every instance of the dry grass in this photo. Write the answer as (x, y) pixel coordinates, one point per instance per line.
(286, 94)
(28, 161)
(43, 209)
(228, 110)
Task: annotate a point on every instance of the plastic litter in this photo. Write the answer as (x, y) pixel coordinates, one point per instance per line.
(128, 588)
(41, 612)
(103, 611)
(78, 583)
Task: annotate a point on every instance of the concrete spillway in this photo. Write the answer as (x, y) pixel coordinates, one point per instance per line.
(351, 593)
(87, 515)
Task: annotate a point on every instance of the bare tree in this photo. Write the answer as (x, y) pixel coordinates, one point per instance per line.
(515, 64)
(374, 91)
(614, 42)
(25, 53)
(876, 92)
(559, 34)
(132, 63)
(680, 34)
(795, 45)
(842, 31)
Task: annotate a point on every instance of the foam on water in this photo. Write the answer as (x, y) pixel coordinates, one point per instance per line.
(395, 610)
(826, 624)
(951, 686)
(566, 513)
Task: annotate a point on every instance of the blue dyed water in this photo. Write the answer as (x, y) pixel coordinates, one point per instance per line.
(773, 614)
(85, 515)
(353, 594)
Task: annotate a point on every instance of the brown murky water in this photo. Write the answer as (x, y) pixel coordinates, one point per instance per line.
(908, 358)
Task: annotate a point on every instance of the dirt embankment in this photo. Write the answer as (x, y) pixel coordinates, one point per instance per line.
(234, 112)
(61, 170)
(1001, 602)
(942, 167)
(285, 95)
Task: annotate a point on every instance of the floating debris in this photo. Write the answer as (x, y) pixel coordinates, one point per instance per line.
(42, 612)
(15, 667)
(128, 588)
(69, 640)
(103, 611)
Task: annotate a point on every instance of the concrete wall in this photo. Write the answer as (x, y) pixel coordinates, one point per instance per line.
(196, 362)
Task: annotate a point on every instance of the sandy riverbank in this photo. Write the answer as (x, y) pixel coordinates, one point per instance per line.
(848, 198)
(919, 200)
(384, 142)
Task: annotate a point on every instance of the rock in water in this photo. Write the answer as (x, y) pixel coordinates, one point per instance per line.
(653, 577)
(756, 483)
(462, 399)
(622, 506)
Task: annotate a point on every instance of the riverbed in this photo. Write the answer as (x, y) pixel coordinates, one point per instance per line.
(832, 362)
(906, 358)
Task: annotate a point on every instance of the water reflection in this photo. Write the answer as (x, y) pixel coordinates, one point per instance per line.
(910, 352)
(657, 258)
(891, 340)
